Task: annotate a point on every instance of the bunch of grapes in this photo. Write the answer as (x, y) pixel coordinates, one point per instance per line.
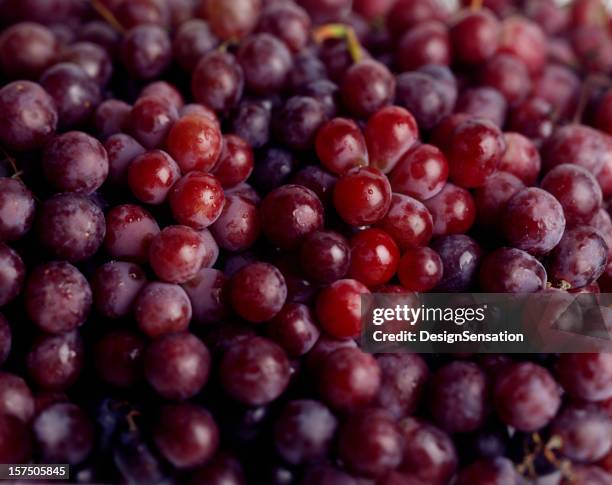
(194, 195)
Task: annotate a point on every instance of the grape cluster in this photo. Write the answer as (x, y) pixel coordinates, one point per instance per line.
(194, 195)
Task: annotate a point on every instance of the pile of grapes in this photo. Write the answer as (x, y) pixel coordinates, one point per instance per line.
(195, 193)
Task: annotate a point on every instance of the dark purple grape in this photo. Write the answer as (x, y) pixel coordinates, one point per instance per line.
(115, 286)
(92, 58)
(298, 121)
(118, 357)
(429, 453)
(510, 270)
(458, 397)
(15, 397)
(483, 102)
(403, 381)
(217, 81)
(579, 258)
(75, 162)
(162, 308)
(121, 150)
(186, 435)
(12, 274)
(6, 339)
(251, 122)
(526, 396)
(586, 376)
(272, 169)
(177, 365)
(223, 469)
(26, 50)
(192, 40)
(29, 116)
(64, 434)
(17, 208)
(15, 440)
(111, 117)
(266, 62)
(461, 257)
(146, 51)
(254, 371)
(370, 443)
(71, 226)
(288, 22)
(76, 95)
(57, 297)
(428, 99)
(586, 434)
(366, 87)
(493, 470)
(533, 221)
(207, 292)
(294, 328)
(304, 431)
(55, 362)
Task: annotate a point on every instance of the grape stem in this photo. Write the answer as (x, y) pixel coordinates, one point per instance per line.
(107, 15)
(476, 5)
(340, 31)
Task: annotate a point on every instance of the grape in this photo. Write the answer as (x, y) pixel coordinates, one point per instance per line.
(461, 256)
(348, 378)
(55, 361)
(288, 22)
(177, 365)
(579, 258)
(374, 257)
(162, 308)
(146, 51)
(290, 213)
(304, 431)
(254, 371)
(390, 132)
(186, 435)
(459, 397)
(403, 382)
(151, 119)
(111, 118)
(75, 162)
(509, 270)
(500, 470)
(217, 81)
(118, 358)
(526, 396)
(370, 443)
(492, 198)
(64, 434)
(71, 226)
(586, 435)
(367, 87)
(294, 329)
(92, 59)
(15, 397)
(586, 376)
(266, 63)
(57, 297)
(26, 50)
(12, 274)
(16, 442)
(75, 94)
(533, 221)
(231, 20)
(195, 143)
(30, 116)
(429, 453)
(475, 36)
(298, 121)
(258, 292)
